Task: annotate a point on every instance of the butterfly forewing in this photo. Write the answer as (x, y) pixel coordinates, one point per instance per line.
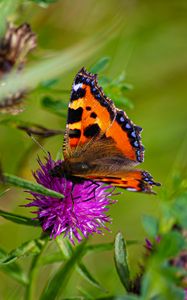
(90, 114)
(101, 143)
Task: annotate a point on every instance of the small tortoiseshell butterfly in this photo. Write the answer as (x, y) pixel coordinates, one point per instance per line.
(101, 143)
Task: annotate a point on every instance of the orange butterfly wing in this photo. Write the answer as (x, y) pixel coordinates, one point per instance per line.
(127, 137)
(101, 143)
(92, 115)
(132, 180)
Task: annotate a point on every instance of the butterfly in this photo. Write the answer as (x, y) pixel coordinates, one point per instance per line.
(101, 143)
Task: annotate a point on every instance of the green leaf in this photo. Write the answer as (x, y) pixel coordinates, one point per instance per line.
(18, 219)
(170, 244)
(61, 277)
(126, 87)
(117, 95)
(13, 270)
(106, 246)
(28, 185)
(66, 251)
(179, 210)
(31, 247)
(83, 271)
(156, 286)
(99, 247)
(59, 107)
(168, 220)
(49, 83)
(176, 180)
(150, 225)
(120, 256)
(116, 90)
(101, 65)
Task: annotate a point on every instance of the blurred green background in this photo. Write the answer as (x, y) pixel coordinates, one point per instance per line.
(151, 47)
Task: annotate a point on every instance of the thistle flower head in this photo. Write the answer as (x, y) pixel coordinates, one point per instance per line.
(80, 213)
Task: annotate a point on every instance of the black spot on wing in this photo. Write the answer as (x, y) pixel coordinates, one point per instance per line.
(91, 130)
(90, 80)
(80, 93)
(93, 115)
(88, 108)
(74, 115)
(74, 133)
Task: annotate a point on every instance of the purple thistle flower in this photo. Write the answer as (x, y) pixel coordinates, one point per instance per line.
(185, 292)
(80, 213)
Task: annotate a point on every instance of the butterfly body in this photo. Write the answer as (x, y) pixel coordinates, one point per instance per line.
(101, 143)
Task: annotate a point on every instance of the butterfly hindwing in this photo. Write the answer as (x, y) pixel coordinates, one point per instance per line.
(127, 137)
(131, 180)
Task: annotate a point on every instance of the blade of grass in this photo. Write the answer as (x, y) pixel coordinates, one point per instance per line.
(85, 295)
(28, 185)
(67, 250)
(31, 288)
(59, 281)
(59, 64)
(31, 247)
(101, 65)
(14, 270)
(18, 219)
(85, 273)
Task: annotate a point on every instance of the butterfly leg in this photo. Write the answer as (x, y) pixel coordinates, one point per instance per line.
(73, 199)
(96, 185)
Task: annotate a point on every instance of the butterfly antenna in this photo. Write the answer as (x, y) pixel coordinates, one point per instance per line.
(39, 145)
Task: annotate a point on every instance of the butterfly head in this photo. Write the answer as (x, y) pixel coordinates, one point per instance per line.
(57, 171)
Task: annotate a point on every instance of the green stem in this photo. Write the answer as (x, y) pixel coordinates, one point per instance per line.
(33, 272)
(63, 250)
